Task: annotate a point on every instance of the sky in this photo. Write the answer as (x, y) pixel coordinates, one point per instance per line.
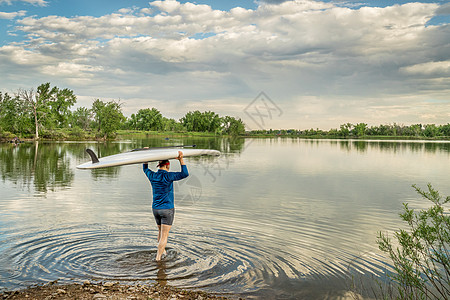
(273, 63)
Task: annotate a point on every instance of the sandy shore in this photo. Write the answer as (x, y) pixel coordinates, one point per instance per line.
(108, 291)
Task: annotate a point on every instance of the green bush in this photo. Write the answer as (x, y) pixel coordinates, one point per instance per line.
(421, 259)
(76, 133)
(6, 135)
(53, 134)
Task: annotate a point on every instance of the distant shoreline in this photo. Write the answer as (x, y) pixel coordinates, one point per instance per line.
(124, 134)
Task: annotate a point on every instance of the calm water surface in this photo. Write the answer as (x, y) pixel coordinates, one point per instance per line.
(271, 218)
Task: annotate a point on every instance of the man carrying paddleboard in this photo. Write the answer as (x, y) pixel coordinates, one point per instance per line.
(163, 200)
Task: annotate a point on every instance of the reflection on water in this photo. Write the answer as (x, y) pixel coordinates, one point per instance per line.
(390, 146)
(46, 168)
(271, 218)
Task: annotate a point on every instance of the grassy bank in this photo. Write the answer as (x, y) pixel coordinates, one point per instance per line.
(364, 137)
(80, 135)
(142, 134)
(77, 134)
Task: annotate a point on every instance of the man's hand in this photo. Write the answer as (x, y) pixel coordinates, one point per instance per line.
(180, 157)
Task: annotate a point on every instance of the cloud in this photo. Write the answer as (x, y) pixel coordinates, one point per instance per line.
(33, 2)
(438, 68)
(444, 9)
(12, 15)
(273, 1)
(189, 53)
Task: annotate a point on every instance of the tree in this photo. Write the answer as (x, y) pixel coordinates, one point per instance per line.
(445, 129)
(132, 122)
(49, 106)
(108, 117)
(191, 121)
(431, 130)
(207, 121)
(345, 129)
(38, 103)
(98, 107)
(232, 126)
(171, 125)
(360, 129)
(149, 119)
(81, 118)
(213, 121)
(422, 259)
(8, 112)
(414, 130)
(60, 104)
(15, 114)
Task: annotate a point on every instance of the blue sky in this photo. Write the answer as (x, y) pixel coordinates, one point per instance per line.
(322, 63)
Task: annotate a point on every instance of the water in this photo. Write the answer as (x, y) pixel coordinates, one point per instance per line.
(271, 218)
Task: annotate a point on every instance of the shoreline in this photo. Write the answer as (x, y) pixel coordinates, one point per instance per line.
(127, 136)
(109, 290)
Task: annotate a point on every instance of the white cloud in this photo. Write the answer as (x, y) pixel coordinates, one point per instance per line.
(187, 52)
(436, 68)
(166, 6)
(65, 69)
(33, 2)
(12, 15)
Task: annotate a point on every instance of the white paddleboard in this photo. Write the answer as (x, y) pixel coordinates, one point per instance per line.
(142, 156)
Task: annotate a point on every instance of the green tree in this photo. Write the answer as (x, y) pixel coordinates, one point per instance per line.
(38, 104)
(149, 119)
(60, 104)
(232, 126)
(108, 117)
(9, 109)
(384, 130)
(333, 132)
(48, 106)
(132, 122)
(82, 118)
(431, 130)
(171, 125)
(207, 121)
(191, 121)
(360, 129)
(345, 129)
(414, 130)
(212, 121)
(422, 259)
(445, 130)
(98, 107)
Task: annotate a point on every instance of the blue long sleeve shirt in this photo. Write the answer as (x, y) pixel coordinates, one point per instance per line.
(162, 185)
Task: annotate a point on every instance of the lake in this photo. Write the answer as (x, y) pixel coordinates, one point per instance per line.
(271, 218)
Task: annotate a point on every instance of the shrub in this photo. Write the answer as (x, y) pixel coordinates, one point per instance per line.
(421, 259)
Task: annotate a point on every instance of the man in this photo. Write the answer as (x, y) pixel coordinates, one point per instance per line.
(163, 200)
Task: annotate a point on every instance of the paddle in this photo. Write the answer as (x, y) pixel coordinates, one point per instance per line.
(166, 147)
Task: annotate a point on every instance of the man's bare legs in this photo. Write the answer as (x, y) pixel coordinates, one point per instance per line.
(159, 237)
(163, 235)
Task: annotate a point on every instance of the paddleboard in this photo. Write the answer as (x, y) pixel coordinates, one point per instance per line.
(139, 156)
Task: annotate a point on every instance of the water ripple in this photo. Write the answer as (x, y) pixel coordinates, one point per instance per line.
(222, 258)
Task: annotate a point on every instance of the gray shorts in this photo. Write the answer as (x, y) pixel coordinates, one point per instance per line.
(164, 216)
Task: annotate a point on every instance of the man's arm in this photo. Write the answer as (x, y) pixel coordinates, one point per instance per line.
(146, 170)
(180, 158)
(184, 171)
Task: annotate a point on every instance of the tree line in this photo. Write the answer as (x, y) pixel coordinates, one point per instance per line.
(46, 111)
(349, 130)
